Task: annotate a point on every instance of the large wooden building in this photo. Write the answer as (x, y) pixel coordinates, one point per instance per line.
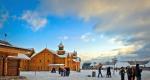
(10, 59)
(44, 60)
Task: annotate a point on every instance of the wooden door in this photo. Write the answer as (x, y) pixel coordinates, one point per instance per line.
(1, 66)
(13, 67)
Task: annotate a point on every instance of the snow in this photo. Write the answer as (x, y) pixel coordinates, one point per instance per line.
(46, 75)
(148, 64)
(20, 56)
(56, 64)
(77, 59)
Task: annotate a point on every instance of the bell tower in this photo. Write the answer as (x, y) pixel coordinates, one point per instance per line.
(61, 46)
(60, 49)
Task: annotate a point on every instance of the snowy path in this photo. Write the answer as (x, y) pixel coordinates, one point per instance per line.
(75, 76)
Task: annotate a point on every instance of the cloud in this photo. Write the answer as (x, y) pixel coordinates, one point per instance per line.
(34, 19)
(64, 37)
(87, 37)
(3, 17)
(124, 20)
(123, 52)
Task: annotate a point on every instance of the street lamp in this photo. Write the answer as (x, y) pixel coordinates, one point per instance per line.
(114, 60)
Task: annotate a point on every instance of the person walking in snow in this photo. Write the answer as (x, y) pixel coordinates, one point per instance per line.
(108, 72)
(99, 71)
(122, 73)
(129, 72)
(138, 72)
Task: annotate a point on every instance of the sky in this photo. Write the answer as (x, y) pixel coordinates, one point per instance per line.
(96, 29)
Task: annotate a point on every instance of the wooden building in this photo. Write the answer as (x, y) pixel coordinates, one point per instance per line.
(41, 61)
(9, 60)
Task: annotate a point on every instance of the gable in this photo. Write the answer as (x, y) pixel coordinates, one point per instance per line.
(42, 54)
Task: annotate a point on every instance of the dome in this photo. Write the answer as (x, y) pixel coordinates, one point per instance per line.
(61, 45)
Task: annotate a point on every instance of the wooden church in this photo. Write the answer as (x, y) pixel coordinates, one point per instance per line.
(47, 59)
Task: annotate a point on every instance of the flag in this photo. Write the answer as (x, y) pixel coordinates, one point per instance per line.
(5, 35)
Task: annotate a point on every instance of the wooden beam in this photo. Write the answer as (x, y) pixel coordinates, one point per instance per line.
(11, 50)
(5, 66)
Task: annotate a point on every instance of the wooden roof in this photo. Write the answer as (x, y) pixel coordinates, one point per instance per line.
(8, 49)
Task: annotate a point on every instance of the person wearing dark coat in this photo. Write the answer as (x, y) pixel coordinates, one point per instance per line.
(99, 71)
(59, 70)
(129, 73)
(132, 73)
(122, 73)
(108, 72)
(138, 72)
(67, 71)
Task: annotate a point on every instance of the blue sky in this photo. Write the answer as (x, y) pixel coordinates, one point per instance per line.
(93, 28)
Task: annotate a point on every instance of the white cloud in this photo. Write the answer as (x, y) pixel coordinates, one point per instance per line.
(34, 19)
(87, 37)
(64, 37)
(124, 51)
(128, 19)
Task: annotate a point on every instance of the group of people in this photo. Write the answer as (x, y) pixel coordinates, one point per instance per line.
(132, 72)
(64, 71)
(108, 74)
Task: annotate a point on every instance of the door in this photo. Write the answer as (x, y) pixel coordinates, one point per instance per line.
(1, 66)
(13, 67)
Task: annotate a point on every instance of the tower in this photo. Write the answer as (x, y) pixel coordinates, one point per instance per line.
(60, 49)
(61, 46)
(74, 54)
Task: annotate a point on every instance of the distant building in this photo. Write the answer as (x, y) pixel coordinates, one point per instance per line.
(86, 65)
(44, 60)
(141, 63)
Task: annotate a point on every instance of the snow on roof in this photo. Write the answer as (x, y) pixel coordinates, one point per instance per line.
(62, 56)
(20, 56)
(77, 59)
(148, 64)
(54, 52)
(56, 64)
(5, 43)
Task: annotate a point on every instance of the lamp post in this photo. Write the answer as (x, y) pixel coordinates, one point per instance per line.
(114, 60)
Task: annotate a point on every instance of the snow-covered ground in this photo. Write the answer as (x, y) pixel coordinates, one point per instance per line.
(46, 75)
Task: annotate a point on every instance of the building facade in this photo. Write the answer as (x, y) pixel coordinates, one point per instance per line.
(10, 59)
(44, 60)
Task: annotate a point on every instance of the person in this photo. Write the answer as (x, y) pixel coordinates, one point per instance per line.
(99, 71)
(122, 73)
(64, 71)
(138, 72)
(61, 71)
(53, 70)
(132, 73)
(67, 71)
(108, 72)
(129, 72)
